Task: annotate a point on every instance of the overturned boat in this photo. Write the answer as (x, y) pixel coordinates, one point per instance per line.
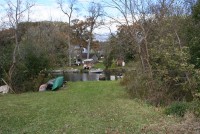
(52, 84)
(58, 82)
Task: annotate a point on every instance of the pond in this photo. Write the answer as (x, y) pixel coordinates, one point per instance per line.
(81, 76)
(92, 75)
(70, 76)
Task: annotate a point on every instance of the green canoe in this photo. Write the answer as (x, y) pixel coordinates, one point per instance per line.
(58, 82)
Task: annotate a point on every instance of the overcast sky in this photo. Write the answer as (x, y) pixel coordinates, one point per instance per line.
(48, 10)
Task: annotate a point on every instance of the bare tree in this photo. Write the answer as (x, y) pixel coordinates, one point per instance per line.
(68, 8)
(133, 14)
(95, 11)
(15, 10)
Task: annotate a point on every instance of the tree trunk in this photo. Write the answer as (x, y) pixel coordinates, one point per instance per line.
(14, 59)
(88, 48)
(69, 41)
(69, 45)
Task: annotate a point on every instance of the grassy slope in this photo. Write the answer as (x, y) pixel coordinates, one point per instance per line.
(82, 107)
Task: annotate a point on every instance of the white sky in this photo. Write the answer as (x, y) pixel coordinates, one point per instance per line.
(48, 10)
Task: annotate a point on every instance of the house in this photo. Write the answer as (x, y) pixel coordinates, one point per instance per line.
(91, 56)
(77, 51)
(80, 53)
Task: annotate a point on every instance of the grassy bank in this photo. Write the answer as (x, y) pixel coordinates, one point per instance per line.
(81, 107)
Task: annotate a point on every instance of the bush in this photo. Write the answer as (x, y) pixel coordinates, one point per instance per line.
(139, 85)
(177, 108)
(136, 83)
(164, 87)
(195, 107)
(27, 75)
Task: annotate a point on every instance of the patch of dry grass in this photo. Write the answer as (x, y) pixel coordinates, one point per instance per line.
(187, 125)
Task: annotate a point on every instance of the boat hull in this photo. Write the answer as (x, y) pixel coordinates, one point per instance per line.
(58, 82)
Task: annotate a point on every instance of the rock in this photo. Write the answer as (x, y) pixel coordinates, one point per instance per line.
(43, 87)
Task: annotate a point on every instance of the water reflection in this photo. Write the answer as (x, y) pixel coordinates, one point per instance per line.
(81, 77)
(78, 76)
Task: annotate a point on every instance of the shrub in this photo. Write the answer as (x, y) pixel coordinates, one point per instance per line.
(27, 74)
(177, 108)
(135, 82)
(195, 107)
(140, 86)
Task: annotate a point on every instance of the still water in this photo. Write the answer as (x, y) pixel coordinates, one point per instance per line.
(81, 76)
(78, 76)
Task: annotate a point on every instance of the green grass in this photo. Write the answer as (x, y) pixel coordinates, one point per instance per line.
(99, 65)
(79, 108)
